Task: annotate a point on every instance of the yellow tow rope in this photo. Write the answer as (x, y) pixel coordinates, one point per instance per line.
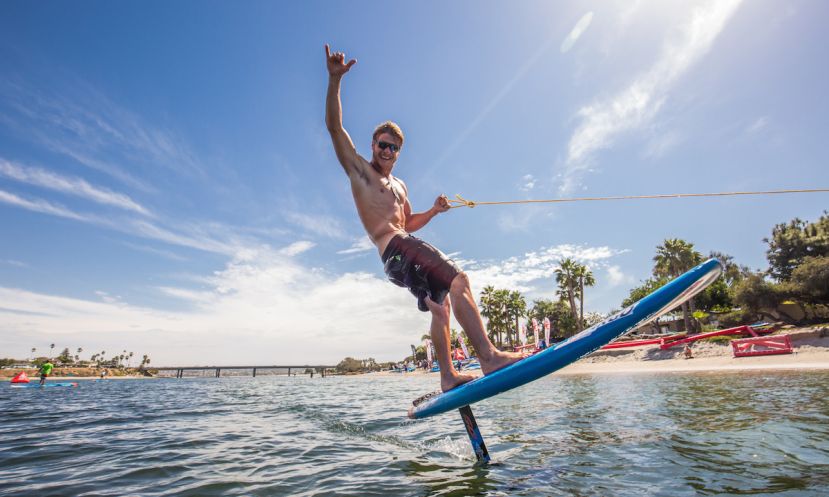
(459, 201)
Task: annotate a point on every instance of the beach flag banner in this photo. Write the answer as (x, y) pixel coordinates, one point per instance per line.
(463, 346)
(522, 333)
(427, 344)
(535, 330)
(547, 331)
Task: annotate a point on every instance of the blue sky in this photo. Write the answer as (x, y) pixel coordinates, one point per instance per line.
(167, 184)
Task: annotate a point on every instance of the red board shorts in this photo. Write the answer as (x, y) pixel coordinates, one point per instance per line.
(414, 264)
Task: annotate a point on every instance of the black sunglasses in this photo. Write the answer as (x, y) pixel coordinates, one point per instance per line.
(384, 145)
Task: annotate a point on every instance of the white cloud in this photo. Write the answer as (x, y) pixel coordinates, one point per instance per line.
(758, 125)
(98, 138)
(362, 244)
(297, 248)
(43, 206)
(525, 272)
(576, 32)
(262, 310)
(528, 182)
(318, 224)
(616, 277)
(156, 251)
(72, 186)
(602, 121)
(106, 297)
(191, 237)
(272, 304)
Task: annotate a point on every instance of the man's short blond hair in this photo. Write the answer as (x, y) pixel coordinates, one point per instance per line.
(388, 127)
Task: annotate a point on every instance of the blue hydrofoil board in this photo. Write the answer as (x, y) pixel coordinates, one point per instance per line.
(556, 357)
(38, 385)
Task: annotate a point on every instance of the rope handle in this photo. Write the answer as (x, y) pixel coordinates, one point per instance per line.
(459, 201)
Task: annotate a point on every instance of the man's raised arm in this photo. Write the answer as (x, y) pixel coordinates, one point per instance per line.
(343, 146)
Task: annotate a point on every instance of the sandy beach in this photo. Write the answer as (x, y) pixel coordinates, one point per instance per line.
(811, 351)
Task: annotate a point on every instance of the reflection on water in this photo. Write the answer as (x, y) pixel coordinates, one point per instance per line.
(672, 434)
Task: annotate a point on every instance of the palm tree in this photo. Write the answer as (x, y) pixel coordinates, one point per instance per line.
(517, 306)
(33, 352)
(567, 279)
(51, 348)
(503, 316)
(674, 257)
(488, 310)
(586, 278)
(129, 361)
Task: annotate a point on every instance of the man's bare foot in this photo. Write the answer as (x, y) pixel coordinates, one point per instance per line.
(450, 382)
(500, 360)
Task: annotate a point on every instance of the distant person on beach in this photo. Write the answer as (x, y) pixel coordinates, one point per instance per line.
(45, 370)
(688, 353)
(382, 203)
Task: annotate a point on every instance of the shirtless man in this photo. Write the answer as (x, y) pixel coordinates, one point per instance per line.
(383, 206)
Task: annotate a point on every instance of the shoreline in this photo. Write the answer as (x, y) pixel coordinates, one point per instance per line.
(810, 345)
(811, 352)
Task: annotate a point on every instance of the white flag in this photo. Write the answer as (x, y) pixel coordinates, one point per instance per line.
(535, 330)
(427, 344)
(463, 346)
(522, 334)
(547, 331)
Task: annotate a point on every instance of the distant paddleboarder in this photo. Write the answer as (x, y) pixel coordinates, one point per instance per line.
(45, 370)
(383, 206)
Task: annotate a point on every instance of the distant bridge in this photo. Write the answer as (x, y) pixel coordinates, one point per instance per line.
(179, 370)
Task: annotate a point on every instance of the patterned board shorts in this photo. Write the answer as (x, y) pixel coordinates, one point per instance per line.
(414, 264)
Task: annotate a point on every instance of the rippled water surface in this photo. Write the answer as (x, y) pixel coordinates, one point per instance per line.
(673, 434)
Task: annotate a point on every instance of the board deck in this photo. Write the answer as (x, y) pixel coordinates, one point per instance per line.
(38, 385)
(561, 354)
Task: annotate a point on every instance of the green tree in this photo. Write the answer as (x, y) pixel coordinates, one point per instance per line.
(760, 296)
(350, 365)
(562, 323)
(790, 244)
(732, 272)
(490, 310)
(585, 277)
(516, 309)
(716, 297)
(65, 357)
(502, 318)
(674, 257)
(810, 281)
(567, 280)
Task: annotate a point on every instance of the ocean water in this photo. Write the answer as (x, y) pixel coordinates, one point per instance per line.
(735, 433)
